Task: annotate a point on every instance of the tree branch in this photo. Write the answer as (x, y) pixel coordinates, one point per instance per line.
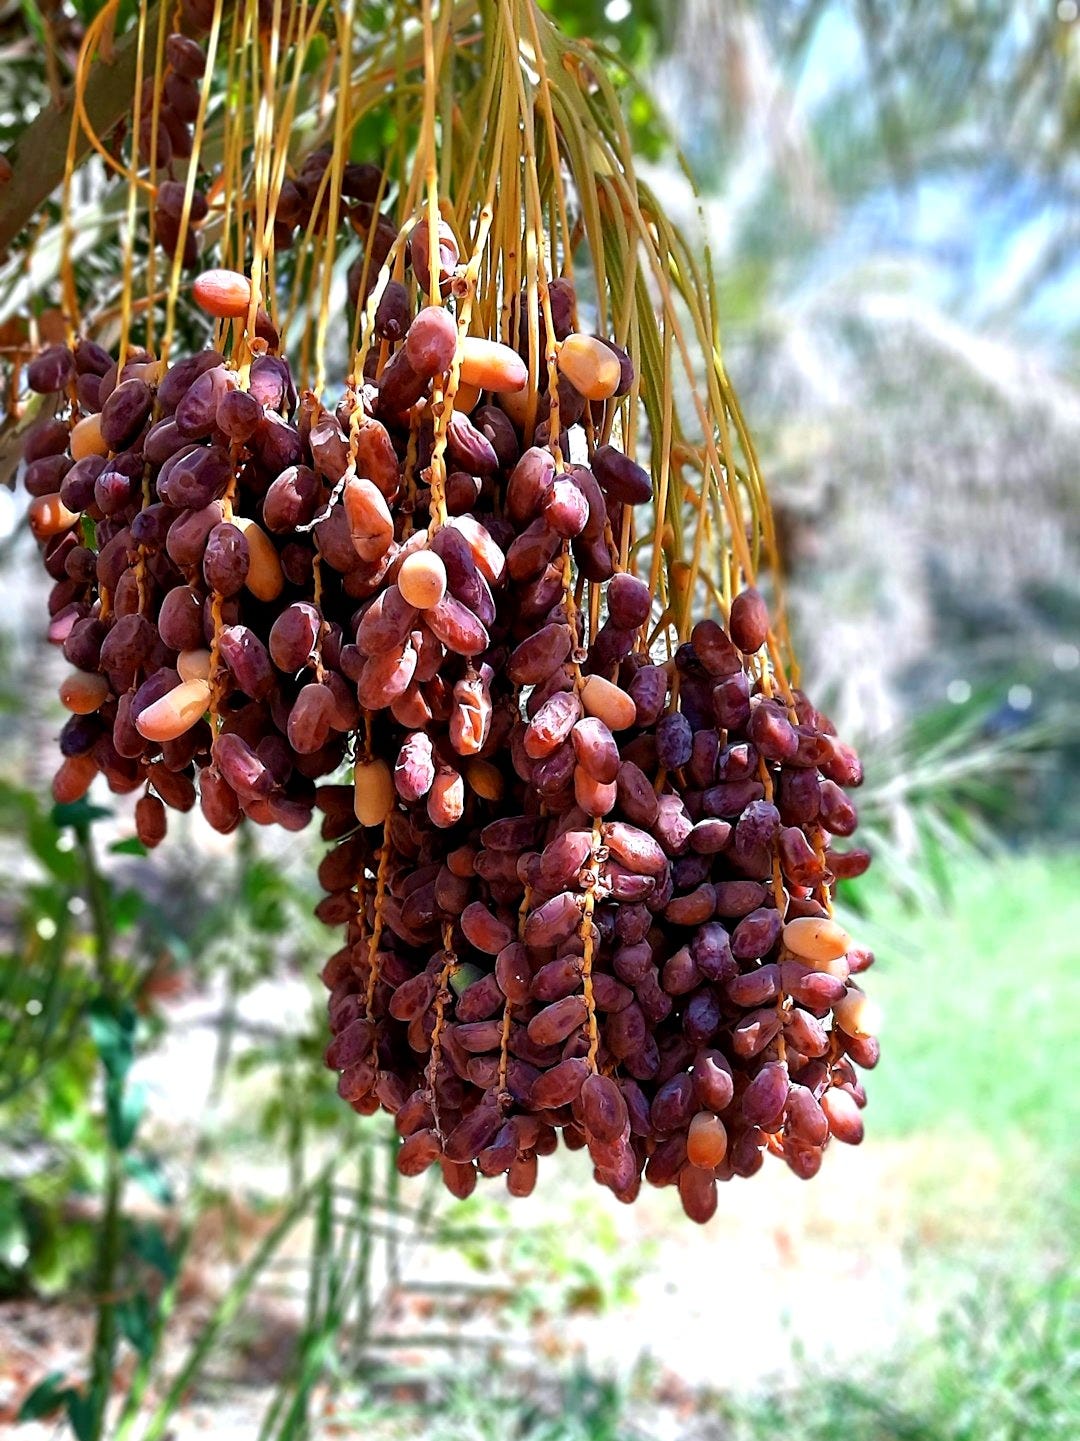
(38, 156)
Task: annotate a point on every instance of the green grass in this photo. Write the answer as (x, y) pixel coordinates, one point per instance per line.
(1004, 1365)
(981, 999)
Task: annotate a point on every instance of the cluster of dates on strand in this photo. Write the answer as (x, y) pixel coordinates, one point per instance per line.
(583, 885)
(169, 109)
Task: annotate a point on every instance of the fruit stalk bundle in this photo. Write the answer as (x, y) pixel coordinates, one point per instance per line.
(584, 861)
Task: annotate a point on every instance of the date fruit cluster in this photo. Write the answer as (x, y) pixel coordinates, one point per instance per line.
(583, 873)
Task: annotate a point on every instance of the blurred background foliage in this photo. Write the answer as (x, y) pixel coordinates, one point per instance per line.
(193, 1229)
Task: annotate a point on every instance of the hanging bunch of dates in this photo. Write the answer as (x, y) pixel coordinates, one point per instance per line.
(583, 840)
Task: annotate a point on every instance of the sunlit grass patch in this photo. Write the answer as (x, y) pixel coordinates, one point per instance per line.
(980, 1001)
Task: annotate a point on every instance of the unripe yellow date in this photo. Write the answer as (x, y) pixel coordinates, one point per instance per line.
(373, 792)
(816, 939)
(490, 365)
(176, 712)
(265, 578)
(590, 366)
(86, 438)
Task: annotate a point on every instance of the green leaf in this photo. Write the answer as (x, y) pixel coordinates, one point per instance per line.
(373, 136)
(124, 1107)
(149, 1244)
(43, 836)
(113, 1030)
(81, 1411)
(147, 1171)
(47, 1396)
(78, 814)
(131, 847)
(127, 906)
(135, 1317)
